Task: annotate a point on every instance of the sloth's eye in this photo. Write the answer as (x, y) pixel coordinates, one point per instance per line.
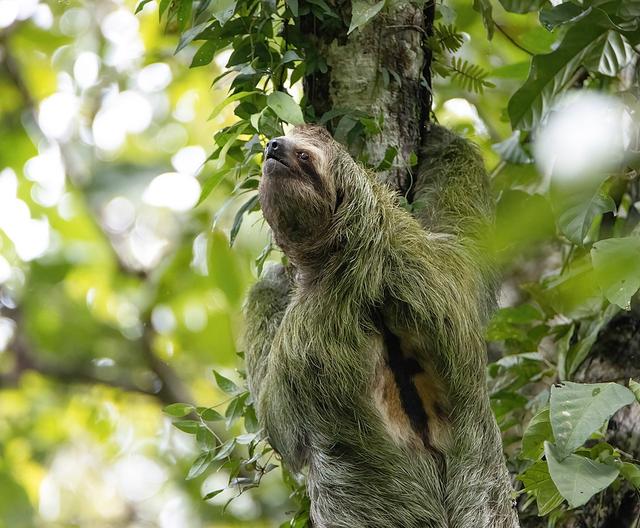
(303, 156)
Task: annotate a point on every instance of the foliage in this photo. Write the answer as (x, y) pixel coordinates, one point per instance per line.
(584, 45)
(93, 340)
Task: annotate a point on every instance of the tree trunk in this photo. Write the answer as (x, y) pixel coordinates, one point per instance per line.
(381, 69)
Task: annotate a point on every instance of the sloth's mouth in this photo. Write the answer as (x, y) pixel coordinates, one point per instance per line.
(272, 156)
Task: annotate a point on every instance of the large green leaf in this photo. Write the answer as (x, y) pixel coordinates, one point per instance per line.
(538, 482)
(612, 53)
(616, 262)
(550, 74)
(538, 431)
(577, 410)
(553, 16)
(578, 478)
(285, 108)
(362, 11)
(522, 6)
(223, 10)
(576, 209)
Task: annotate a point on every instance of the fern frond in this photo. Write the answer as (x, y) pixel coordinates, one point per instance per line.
(469, 76)
(448, 37)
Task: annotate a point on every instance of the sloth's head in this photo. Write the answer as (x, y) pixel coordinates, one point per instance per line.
(300, 190)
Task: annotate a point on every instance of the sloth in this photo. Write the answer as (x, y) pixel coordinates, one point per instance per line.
(365, 355)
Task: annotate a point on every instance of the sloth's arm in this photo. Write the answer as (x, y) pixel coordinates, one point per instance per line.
(265, 306)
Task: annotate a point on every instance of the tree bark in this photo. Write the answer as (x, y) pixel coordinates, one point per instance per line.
(381, 69)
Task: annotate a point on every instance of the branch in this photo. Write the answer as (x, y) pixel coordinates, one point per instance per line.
(172, 389)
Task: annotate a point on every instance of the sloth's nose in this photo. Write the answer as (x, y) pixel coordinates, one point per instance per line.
(275, 148)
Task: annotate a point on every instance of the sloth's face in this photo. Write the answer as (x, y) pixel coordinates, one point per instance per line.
(297, 190)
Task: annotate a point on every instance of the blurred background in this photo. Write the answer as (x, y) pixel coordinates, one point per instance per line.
(119, 293)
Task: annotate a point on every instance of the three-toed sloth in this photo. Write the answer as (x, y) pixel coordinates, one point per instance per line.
(365, 357)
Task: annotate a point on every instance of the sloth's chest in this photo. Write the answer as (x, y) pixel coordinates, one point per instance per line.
(409, 396)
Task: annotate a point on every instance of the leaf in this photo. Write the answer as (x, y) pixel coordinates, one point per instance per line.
(362, 11)
(200, 465)
(226, 449)
(550, 74)
(616, 262)
(631, 472)
(521, 6)
(550, 17)
(250, 420)
(511, 149)
(205, 54)
(187, 426)
(538, 431)
(387, 161)
(223, 10)
(140, 6)
(209, 184)
(611, 55)
(212, 494)
(178, 409)
(235, 408)
(285, 108)
(211, 415)
(246, 207)
(577, 208)
(228, 100)
(189, 36)
(184, 14)
(224, 267)
(634, 386)
(293, 5)
(484, 8)
(226, 385)
(577, 410)
(538, 482)
(578, 478)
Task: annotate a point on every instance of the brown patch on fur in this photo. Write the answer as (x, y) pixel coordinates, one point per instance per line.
(433, 399)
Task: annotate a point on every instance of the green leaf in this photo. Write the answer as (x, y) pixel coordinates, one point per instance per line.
(538, 482)
(631, 472)
(226, 449)
(141, 5)
(611, 55)
(212, 494)
(223, 10)
(577, 410)
(538, 431)
(205, 54)
(210, 183)
(511, 149)
(250, 420)
(634, 386)
(224, 267)
(226, 385)
(521, 6)
(211, 415)
(293, 5)
(553, 16)
(484, 8)
(578, 478)
(184, 14)
(187, 426)
(235, 408)
(228, 100)
(246, 207)
(205, 438)
(577, 208)
(200, 465)
(362, 11)
(189, 36)
(163, 6)
(616, 262)
(178, 409)
(285, 108)
(550, 74)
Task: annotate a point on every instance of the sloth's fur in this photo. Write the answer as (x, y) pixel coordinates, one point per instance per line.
(371, 283)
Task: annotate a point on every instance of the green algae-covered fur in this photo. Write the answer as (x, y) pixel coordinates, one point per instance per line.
(366, 357)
